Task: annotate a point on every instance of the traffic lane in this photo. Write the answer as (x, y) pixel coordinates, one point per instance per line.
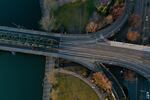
(103, 54)
(107, 47)
(95, 53)
(138, 7)
(139, 56)
(146, 24)
(125, 62)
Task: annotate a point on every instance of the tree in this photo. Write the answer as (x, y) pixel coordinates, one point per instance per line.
(109, 19)
(102, 81)
(133, 36)
(117, 10)
(92, 27)
(54, 94)
(135, 21)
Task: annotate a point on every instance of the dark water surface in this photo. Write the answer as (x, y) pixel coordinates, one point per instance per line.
(21, 12)
(21, 75)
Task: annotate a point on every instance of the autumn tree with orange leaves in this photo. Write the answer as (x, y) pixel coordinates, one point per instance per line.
(134, 22)
(117, 10)
(102, 81)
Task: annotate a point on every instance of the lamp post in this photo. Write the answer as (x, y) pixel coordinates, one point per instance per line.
(136, 87)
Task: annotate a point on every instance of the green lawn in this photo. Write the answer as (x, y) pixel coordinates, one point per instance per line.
(72, 88)
(74, 16)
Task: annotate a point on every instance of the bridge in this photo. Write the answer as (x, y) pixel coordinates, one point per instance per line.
(106, 52)
(126, 55)
(83, 49)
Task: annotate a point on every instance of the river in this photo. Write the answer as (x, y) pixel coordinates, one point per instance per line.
(25, 13)
(21, 75)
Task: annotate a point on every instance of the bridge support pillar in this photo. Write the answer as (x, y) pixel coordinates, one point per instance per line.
(49, 69)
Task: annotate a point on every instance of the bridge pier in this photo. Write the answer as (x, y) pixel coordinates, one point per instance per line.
(49, 67)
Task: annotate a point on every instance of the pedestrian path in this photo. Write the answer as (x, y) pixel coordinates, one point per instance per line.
(50, 63)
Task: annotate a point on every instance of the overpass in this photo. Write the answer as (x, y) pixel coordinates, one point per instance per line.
(91, 55)
(87, 54)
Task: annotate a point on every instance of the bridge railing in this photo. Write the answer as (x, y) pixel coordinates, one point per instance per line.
(27, 40)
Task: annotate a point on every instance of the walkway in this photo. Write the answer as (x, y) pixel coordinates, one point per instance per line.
(49, 66)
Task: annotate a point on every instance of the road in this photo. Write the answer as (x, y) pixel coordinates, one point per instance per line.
(107, 32)
(118, 24)
(146, 22)
(116, 87)
(138, 7)
(90, 51)
(88, 54)
(132, 59)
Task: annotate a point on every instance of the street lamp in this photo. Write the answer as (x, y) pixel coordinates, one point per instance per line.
(136, 87)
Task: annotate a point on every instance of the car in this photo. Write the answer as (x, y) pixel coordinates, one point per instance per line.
(147, 4)
(146, 18)
(147, 95)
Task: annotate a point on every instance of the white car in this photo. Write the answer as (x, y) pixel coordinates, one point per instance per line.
(146, 18)
(147, 95)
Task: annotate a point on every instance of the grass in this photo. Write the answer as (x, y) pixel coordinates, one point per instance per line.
(72, 88)
(74, 15)
(71, 17)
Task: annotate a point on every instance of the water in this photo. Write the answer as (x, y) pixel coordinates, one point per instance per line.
(21, 12)
(21, 75)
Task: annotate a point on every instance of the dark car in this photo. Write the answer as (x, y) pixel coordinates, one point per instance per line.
(147, 4)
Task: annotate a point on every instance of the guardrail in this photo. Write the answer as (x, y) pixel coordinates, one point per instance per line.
(28, 40)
